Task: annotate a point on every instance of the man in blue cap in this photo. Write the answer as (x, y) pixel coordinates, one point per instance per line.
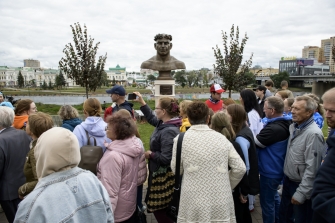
(118, 94)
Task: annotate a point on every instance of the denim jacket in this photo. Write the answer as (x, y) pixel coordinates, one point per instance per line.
(73, 195)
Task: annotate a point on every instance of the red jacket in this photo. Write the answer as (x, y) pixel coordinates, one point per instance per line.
(215, 107)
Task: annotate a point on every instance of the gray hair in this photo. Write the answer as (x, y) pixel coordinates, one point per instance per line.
(6, 117)
(276, 103)
(310, 103)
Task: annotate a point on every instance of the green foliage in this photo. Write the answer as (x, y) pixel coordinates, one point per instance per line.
(180, 78)
(44, 85)
(20, 80)
(151, 78)
(278, 78)
(60, 80)
(191, 78)
(205, 81)
(249, 78)
(79, 62)
(104, 80)
(228, 62)
(114, 82)
(50, 85)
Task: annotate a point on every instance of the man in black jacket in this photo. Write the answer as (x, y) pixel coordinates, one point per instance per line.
(14, 146)
(323, 196)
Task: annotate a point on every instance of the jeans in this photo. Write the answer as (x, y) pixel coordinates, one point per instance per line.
(269, 199)
(289, 212)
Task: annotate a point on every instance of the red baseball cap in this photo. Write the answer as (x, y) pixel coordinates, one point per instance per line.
(216, 88)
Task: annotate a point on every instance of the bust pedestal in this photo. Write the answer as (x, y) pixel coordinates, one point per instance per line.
(164, 88)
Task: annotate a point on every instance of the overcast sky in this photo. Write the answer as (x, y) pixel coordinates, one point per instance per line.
(40, 29)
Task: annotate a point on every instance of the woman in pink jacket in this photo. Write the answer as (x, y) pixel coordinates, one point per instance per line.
(118, 168)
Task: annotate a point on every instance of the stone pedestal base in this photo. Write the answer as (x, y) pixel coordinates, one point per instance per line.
(164, 88)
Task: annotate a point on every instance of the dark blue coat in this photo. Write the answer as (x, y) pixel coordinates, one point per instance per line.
(70, 124)
(323, 196)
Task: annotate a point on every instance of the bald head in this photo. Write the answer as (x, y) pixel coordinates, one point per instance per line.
(328, 99)
(329, 96)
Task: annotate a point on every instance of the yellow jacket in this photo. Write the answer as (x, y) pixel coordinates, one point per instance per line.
(184, 124)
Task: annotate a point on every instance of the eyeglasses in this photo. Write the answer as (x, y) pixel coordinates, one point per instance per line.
(159, 108)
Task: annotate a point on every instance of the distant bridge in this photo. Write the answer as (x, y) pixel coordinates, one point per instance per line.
(321, 82)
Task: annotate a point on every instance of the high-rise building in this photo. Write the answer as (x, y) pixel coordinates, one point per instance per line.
(326, 45)
(314, 52)
(31, 63)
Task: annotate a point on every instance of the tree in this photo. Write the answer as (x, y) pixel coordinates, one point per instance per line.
(191, 78)
(113, 81)
(61, 79)
(104, 80)
(179, 77)
(32, 83)
(20, 80)
(50, 85)
(229, 62)
(44, 85)
(278, 78)
(205, 80)
(151, 78)
(250, 78)
(79, 62)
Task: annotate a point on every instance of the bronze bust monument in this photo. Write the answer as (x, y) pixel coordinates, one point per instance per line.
(163, 61)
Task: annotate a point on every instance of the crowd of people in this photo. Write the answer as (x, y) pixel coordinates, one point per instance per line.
(270, 144)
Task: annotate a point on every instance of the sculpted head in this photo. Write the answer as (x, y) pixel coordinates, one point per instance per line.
(163, 44)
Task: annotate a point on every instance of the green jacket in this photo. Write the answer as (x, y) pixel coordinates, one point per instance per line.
(30, 172)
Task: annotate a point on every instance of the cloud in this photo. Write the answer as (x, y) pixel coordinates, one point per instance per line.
(40, 29)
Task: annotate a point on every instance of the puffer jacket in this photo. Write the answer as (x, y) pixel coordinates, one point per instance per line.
(118, 172)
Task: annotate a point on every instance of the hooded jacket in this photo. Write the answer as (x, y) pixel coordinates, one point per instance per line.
(20, 122)
(118, 171)
(74, 194)
(70, 124)
(95, 126)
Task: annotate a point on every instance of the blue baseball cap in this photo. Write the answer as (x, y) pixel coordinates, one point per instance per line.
(7, 104)
(117, 89)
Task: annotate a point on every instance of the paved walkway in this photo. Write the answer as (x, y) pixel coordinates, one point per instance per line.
(256, 215)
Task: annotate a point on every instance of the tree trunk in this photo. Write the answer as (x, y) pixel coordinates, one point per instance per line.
(86, 90)
(229, 93)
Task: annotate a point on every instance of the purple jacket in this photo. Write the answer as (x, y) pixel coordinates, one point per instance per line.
(118, 172)
(95, 126)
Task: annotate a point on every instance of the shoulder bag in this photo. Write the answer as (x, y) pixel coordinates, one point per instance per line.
(172, 211)
(90, 155)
